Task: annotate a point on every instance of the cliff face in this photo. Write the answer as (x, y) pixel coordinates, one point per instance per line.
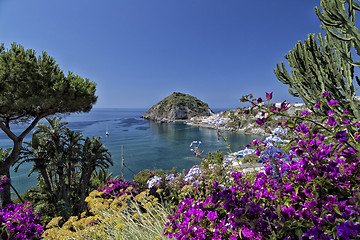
(177, 106)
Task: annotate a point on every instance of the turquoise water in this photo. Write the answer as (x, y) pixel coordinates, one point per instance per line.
(147, 145)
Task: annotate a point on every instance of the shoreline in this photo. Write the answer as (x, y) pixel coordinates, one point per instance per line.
(251, 129)
(255, 131)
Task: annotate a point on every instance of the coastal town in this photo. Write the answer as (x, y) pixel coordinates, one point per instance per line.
(236, 120)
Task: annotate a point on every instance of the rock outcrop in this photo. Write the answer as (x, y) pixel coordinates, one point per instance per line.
(177, 106)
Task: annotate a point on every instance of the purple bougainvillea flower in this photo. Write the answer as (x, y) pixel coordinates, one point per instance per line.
(317, 105)
(330, 113)
(305, 112)
(325, 94)
(247, 232)
(341, 136)
(268, 96)
(332, 121)
(255, 142)
(333, 102)
(257, 152)
(288, 211)
(347, 230)
(284, 105)
(346, 111)
(260, 121)
(273, 108)
(357, 137)
(303, 128)
(259, 100)
(212, 216)
(346, 122)
(347, 153)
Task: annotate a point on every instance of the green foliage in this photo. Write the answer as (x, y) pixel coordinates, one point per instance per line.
(140, 179)
(326, 64)
(100, 177)
(317, 68)
(126, 217)
(196, 107)
(32, 88)
(4, 153)
(213, 159)
(66, 163)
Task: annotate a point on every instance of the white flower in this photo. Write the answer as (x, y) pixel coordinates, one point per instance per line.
(279, 131)
(151, 182)
(170, 177)
(190, 175)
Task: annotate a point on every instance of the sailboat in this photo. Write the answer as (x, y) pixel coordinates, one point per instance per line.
(107, 133)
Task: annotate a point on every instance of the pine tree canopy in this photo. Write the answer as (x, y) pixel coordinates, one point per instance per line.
(34, 86)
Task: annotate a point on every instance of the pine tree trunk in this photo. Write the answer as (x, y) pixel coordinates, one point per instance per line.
(5, 193)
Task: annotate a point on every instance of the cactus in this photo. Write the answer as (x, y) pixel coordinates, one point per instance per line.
(338, 19)
(326, 64)
(317, 68)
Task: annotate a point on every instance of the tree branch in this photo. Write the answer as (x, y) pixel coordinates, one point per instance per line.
(8, 132)
(30, 127)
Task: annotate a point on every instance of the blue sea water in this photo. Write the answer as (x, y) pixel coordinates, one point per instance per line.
(147, 145)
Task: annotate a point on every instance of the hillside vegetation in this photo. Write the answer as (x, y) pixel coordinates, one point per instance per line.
(178, 106)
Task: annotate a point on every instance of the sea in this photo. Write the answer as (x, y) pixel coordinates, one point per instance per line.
(146, 144)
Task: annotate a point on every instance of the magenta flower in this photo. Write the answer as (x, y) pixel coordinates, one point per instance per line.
(357, 137)
(330, 113)
(333, 102)
(305, 112)
(260, 121)
(273, 108)
(346, 122)
(325, 94)
(212, 216)
(332, 121)
(247, 233)
(346, 111)
(317, 105)
(303, 128)
(257, 152)
(259, 100)
(284, 105)
(268, 96)
(341, 136)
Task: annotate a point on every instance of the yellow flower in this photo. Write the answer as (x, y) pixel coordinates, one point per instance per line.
(119, 225)
(54, 222)
(69, 222)
(100, 193)
(159, 190)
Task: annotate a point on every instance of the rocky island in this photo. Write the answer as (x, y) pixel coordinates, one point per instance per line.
(177, 106)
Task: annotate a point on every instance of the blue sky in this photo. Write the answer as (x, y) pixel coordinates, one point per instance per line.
(140, 51)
